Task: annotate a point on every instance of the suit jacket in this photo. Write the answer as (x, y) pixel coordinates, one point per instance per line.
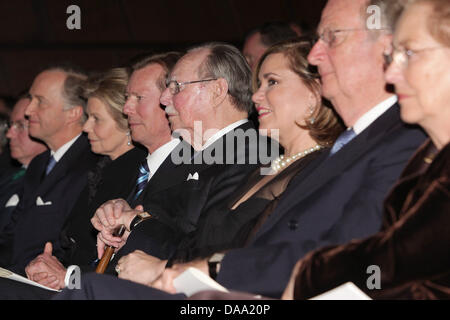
(177, 203)
(11, 188)
(334, 200)
(110, 180)
(412, 250)
(32, 224)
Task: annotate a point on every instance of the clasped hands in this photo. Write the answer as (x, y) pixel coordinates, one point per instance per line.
(108, 217)
(47, 270)
(136, 266)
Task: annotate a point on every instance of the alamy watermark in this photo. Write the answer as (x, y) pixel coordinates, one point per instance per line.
(73, 278)
(73, 22)
(374, 280)
(373, 22)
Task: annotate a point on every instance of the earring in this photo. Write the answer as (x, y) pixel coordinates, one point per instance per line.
(312, 119)
(129, 138)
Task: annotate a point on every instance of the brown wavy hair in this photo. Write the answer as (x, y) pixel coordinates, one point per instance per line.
(326, 126)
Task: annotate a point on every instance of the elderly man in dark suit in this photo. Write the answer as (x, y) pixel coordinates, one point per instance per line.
(209, 111)
(55, 178)
(340, 197)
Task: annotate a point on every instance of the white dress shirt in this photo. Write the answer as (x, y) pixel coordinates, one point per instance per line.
(155, 159)
(58, 154)
(223, 132)
(370, 116)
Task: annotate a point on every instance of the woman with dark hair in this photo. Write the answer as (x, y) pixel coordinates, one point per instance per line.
(412, 250)
(291, 111)
(287, 98)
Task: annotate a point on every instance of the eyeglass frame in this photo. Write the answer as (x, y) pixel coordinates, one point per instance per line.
(19, 125)
(329, 31)
(331, 44)
(405, 55)
(179, 84)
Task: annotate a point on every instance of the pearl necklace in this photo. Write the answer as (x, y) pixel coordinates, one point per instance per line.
(281, 162)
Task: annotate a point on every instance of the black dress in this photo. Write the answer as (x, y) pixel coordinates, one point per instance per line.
(227, 228)
(110, 180)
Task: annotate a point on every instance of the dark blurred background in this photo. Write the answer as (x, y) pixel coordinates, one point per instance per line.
(113, 32)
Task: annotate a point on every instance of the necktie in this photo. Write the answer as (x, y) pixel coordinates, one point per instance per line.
(144, 173)
(50, 165)
(342, 140)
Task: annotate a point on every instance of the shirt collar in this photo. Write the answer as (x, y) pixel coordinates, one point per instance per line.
(370, 116)
(58, 154)
(156, 158)
(222, 132)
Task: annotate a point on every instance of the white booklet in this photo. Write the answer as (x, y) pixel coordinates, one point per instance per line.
(14, 276)
(347, 291)
(193, 280)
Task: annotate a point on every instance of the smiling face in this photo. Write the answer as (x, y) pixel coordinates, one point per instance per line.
(146, 118)
(282, 99)
(422, 84)
(103, 133)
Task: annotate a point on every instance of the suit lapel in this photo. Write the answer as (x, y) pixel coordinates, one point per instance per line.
(170, 174)
(66, 163)
(326, 168)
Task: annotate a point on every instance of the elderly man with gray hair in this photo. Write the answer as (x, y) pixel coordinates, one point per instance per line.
(207, 99)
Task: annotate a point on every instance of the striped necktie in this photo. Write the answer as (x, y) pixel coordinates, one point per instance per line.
(50, 165)
(342, 140)
(144, 173)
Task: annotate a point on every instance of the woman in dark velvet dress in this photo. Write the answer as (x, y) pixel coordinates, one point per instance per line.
(114, 176)
(413, 248)
(287, 98)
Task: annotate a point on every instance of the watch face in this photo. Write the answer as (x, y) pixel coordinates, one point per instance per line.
(145, 215)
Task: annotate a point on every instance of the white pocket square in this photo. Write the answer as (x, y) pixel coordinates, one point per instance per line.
(40, 202)
(192, 176)
(13, 201)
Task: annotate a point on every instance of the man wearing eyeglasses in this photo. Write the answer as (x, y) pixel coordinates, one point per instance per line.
(340, 198)
(22, 148)
(207, 100)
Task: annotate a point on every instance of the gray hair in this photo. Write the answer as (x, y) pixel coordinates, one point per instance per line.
(226, 61)
(73, 88)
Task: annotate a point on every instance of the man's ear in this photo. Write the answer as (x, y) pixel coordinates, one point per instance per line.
(75, 114)
(220, 91)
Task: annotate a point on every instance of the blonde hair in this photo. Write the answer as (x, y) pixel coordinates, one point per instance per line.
(110, 88)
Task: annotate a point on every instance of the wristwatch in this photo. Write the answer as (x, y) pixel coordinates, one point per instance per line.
(138, 219)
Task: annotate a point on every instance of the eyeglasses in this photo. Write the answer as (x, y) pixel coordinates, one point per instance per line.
(329, 36)
(19, 125)
(175, 87)
(401, 56)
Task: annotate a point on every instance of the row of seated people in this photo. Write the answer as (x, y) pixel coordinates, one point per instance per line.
(192, 187)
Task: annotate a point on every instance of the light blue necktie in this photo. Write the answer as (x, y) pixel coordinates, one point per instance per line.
(144, 173)
(50, 165)
(342, 140)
